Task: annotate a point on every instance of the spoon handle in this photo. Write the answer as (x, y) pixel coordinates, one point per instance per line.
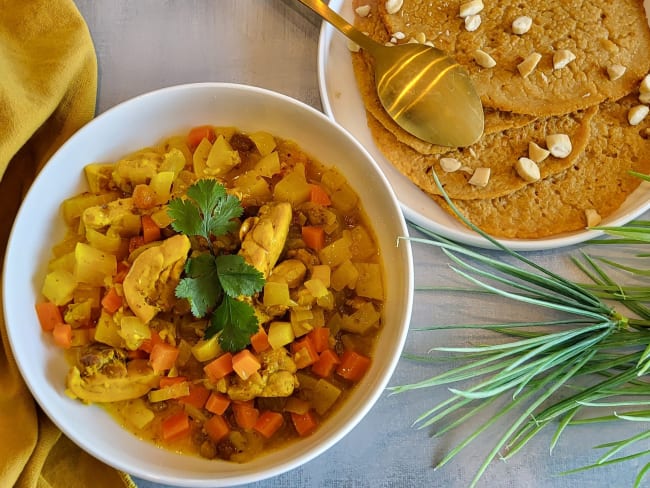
(342, 25)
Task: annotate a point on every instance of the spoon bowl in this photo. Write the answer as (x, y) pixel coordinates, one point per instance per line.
(424, 90)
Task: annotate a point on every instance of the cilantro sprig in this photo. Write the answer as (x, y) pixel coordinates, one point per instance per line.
(214, 283)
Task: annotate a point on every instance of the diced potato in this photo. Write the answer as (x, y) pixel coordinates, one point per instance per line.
(207, 349)
(297, 405)
(325, 395)
(369, 284)
(269, 165)
(111, 242)
(252, 185)
(344, 199)
(280, 334)
(276, 293)
(177, 390)
(64, 262)
(362, 245)
(161, 184)
(301, 321)
(73, 207)
(306, 382)
(293, 188)
(184, 352)
(174, 160)
(137, 413)
(221, 158)
(80, 337)
(361, 320)
(316, 287)
(337, 252)
(93, 266)
(179, 143)
(99, 176)
(59, 286)
(134, 331)
(78, 314)
(161, 218)
(332, 179)
(321, 272)
(345, 275)
(200, 157)
(264, 142)
(85, 293)
(107, 331)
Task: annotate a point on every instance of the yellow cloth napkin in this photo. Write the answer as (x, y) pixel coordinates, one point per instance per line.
(48, 84)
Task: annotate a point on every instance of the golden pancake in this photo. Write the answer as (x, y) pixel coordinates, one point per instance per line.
(599, 33)
(499, 152)
(598, 180)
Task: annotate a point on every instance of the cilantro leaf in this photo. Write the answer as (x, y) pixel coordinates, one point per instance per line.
(201, 286)
(221, 220)
(237, 277)
(206, 193)
(213, 283)
(186, 217)
(237, 322)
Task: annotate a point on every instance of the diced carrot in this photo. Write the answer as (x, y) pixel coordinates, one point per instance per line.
(246, 414)
(260, 341)
(198, 396)
(62, 333)
(268, 423)
(150, 230)
(353, 365)
(304, 352)
(216, 427)
(197, 134)
(217, 403)
(314, 237)
(175, 425)
(135, 242)
(218, 368)
(305, 423)
(168, 381)
(144, 197)
(48, 315)
(111, 302)
(320, 336)
(245, 364)
(147, 344)
(318, 195)
(122, 271)
(163, 356)
(327, 361)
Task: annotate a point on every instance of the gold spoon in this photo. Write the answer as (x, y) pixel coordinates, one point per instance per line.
(424, 90)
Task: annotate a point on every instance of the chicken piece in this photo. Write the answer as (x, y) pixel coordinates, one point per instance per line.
(106, 377)
(120, 215)
(290, 271)
(150, 284)
(276, 378)
(263, 237)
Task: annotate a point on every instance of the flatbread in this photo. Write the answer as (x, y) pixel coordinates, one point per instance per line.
(499, 152)
(362, 64)
(598, 180)
(599, 33)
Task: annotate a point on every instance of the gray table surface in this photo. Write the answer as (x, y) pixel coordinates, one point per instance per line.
(148, 44)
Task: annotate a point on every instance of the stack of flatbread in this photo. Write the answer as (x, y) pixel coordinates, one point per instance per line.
(559, 70)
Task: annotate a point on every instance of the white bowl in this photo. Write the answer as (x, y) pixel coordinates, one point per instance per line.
(143, 121)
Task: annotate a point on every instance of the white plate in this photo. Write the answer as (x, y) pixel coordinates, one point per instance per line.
(342, 102)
